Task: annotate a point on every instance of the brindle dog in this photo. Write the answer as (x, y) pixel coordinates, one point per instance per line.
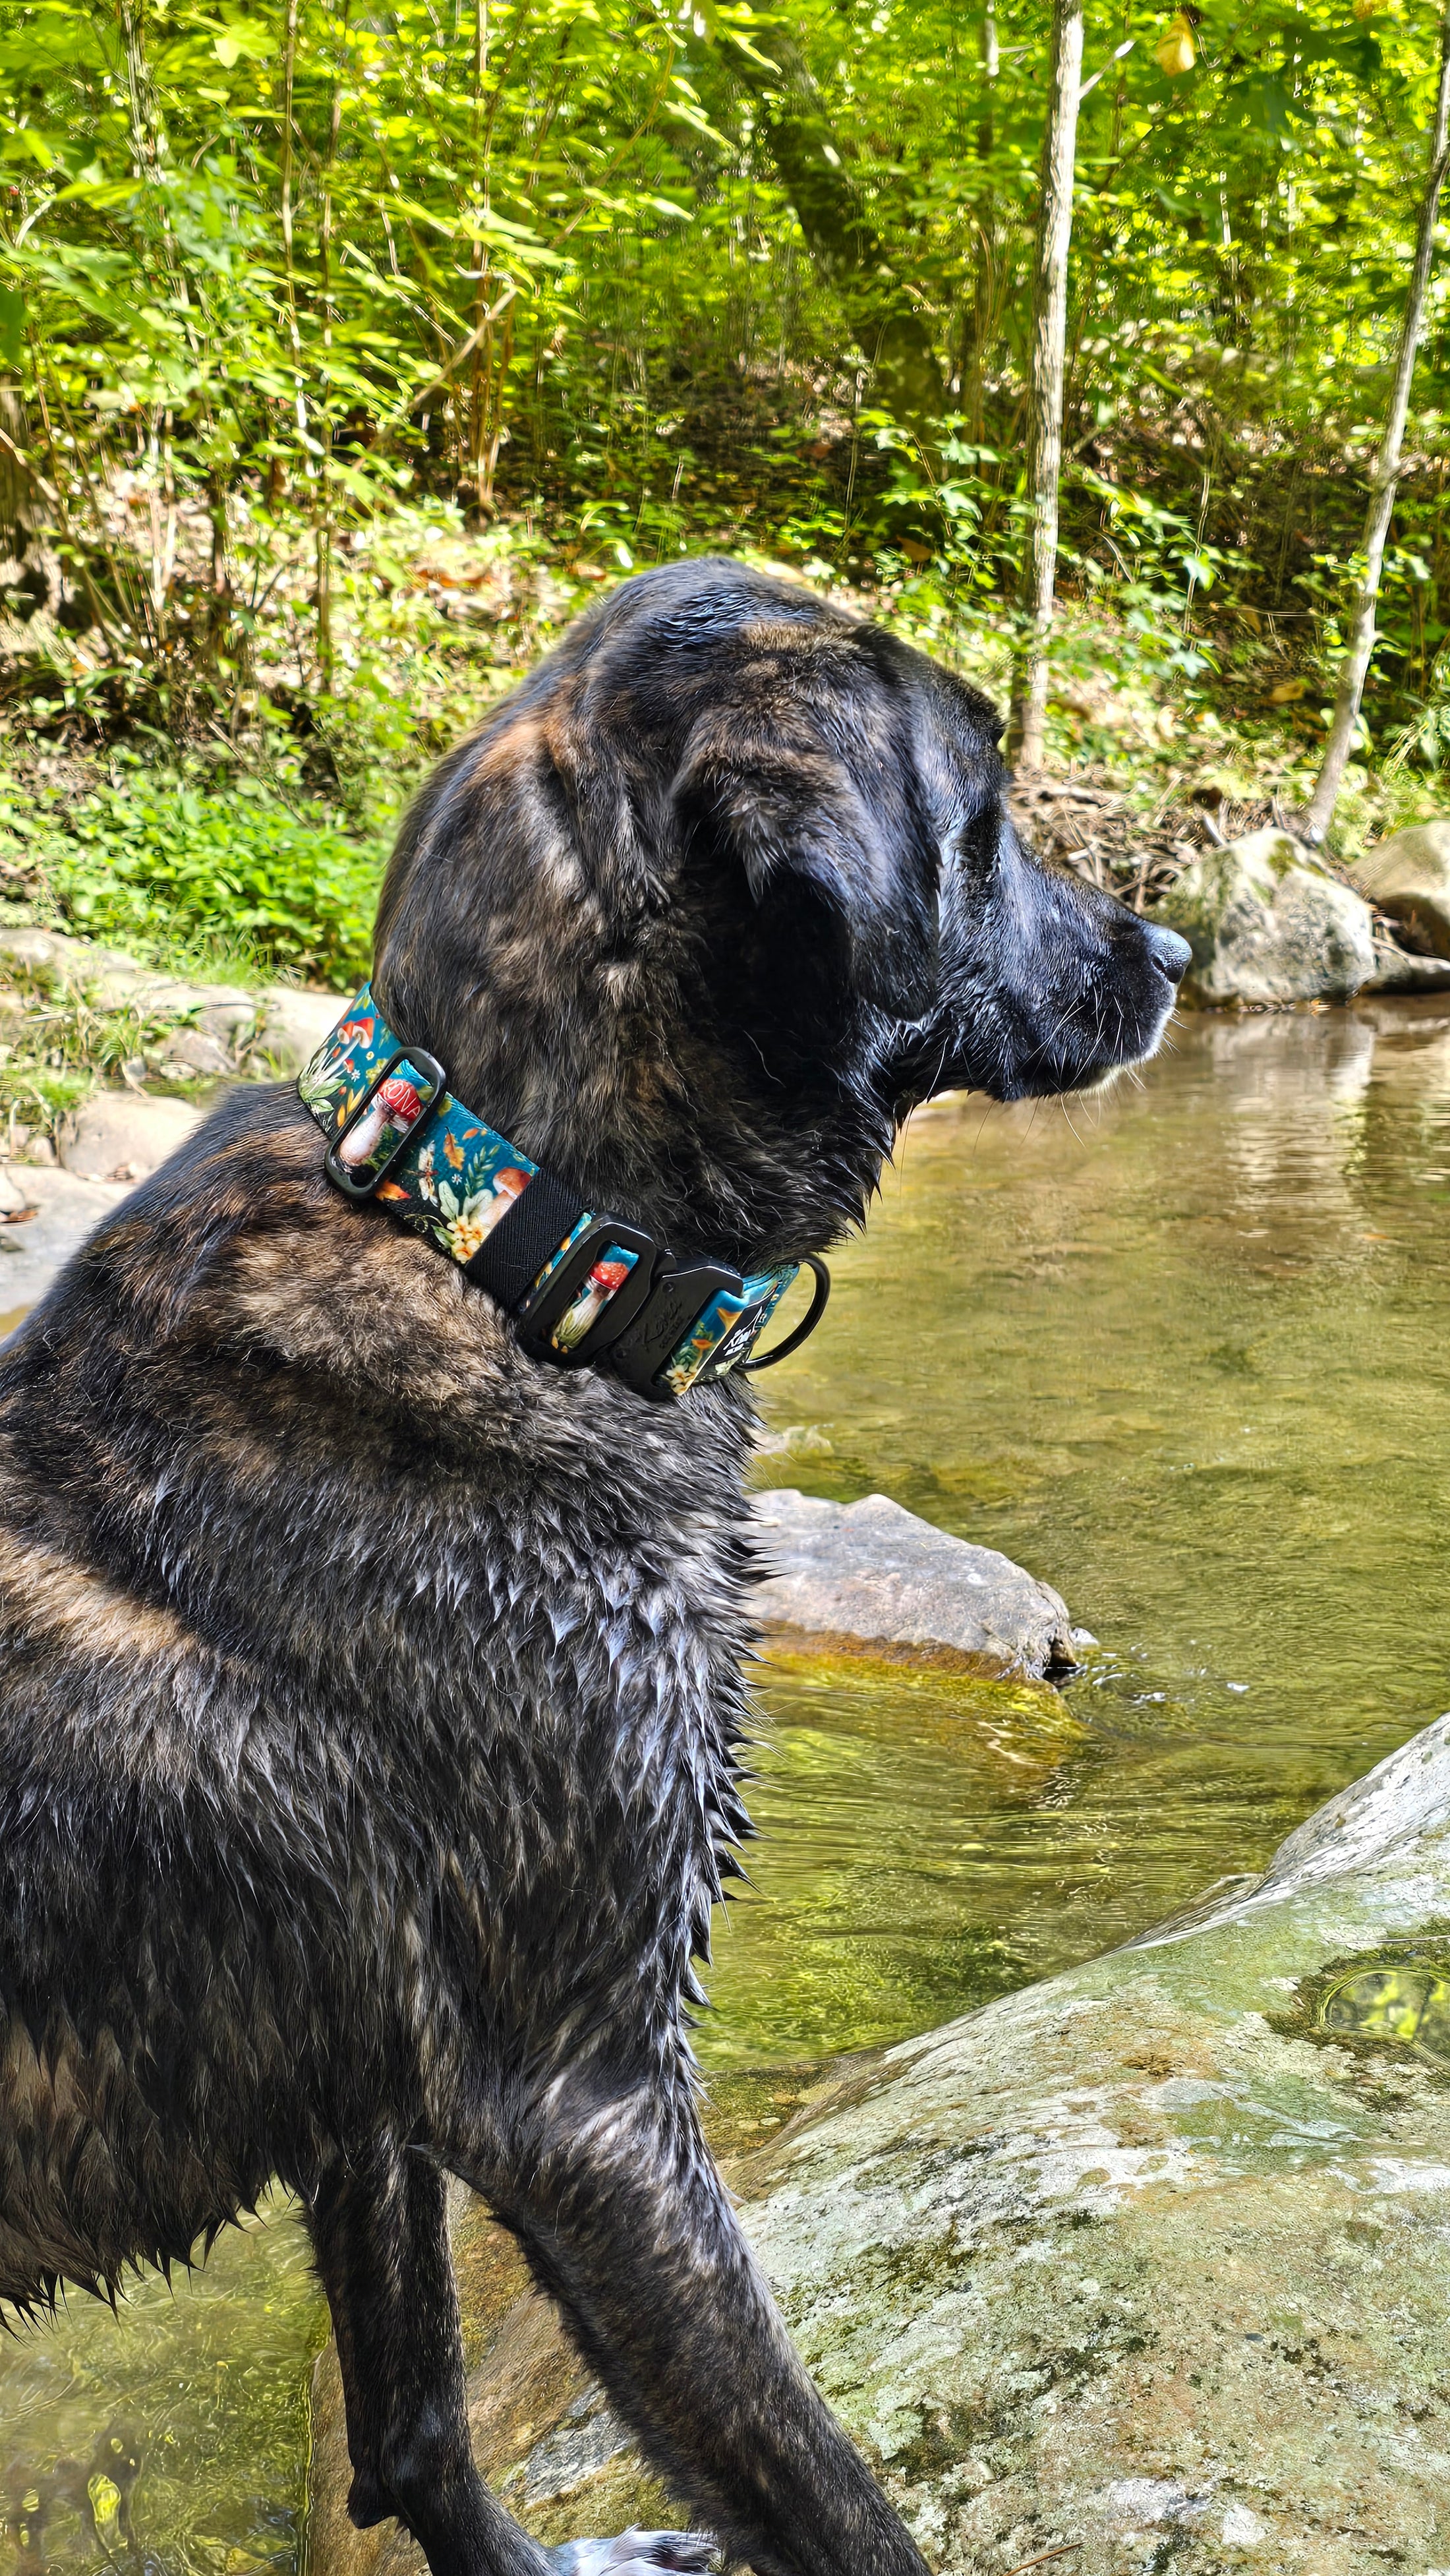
(372, 1691)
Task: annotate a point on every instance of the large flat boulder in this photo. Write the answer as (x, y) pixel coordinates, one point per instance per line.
(1408, 876)
(1267, 924)
(294, 1022)
(1145, 2264)
(869, 1577)
(274, 1031)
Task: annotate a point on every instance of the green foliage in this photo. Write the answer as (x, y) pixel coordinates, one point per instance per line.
(159, 865)
(628, 278)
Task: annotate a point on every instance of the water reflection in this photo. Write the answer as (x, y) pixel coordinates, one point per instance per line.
(1188, 1356)
(169, 2437)
(95, 2494)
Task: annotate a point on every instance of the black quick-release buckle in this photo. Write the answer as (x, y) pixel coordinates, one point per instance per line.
(681, 1292)
(537, 1317)
(355, 1185)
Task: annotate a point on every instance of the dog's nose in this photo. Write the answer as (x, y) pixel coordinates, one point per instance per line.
(1170, 954)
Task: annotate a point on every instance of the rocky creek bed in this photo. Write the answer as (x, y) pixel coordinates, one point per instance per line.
(1145, 2264)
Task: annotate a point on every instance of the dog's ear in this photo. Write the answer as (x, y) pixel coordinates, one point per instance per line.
(796, 809)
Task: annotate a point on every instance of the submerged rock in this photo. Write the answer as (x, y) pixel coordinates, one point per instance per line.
(872, 1577)
(1146, 2262)
(1267, 924)
(1408, 876)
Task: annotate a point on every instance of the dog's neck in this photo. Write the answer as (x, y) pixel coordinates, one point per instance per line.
(701, 1160)
(738, 1143)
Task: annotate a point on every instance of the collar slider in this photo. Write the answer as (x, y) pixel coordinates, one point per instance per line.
(376, 1133)
(605, 1243)
(682, 1293)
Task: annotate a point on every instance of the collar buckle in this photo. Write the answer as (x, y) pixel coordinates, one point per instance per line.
(679, 1295)
(381, 1127)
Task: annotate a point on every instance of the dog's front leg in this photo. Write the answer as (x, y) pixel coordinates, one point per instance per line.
(627, 2224)
(379, 2227)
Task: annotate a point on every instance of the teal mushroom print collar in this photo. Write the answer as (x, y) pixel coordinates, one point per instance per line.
(582, 1287)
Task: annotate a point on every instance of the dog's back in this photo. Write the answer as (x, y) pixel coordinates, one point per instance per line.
(309, 1596)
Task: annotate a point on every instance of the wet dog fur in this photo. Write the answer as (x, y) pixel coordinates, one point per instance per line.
(371, 1693)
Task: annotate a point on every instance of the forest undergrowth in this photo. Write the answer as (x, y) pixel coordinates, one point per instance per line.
(344, 356)
(254, 841)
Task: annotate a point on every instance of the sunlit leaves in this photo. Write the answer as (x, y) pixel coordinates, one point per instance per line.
(597, 176)
(1175, 51)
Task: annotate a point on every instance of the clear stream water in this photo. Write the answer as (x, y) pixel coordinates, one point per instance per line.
(1185, 1351)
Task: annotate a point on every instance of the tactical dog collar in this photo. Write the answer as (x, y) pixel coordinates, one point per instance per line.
(580, 1286)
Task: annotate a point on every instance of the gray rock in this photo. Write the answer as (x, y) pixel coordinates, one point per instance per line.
(294, 1024)
(64, 963)
(870, 1576)
(1397, 970)
(569, 2458)
(196, 1053)
(118, 1135)
(288, 1021)
(1267, 924)
(229, 1014)
(1404, 1798)
(1147, 2261)
(1408, 876)
(65, 1210)
(35, 953)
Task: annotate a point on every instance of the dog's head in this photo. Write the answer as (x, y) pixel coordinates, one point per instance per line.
(724, 889)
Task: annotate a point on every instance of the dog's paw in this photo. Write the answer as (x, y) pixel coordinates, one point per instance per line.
(635, 2553)
(368, 2501)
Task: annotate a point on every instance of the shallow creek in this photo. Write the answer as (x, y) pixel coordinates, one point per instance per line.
(1186, 1354)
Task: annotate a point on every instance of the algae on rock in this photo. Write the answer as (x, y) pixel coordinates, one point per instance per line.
(1268, 924)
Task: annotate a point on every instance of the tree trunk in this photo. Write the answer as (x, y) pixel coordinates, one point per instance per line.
(839, 234)
(1354, 669)
(1045, 391)
(984, 289)
(18, 515)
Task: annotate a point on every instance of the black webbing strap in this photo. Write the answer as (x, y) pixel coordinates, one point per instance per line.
(509, 1260)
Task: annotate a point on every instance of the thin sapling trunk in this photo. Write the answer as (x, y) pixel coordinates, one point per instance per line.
(1354, 669)
(1045, 391)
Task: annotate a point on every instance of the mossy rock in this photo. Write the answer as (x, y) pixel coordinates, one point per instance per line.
(1146, 2262)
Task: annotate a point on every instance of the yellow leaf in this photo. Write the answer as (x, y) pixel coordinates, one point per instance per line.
(1174, 53)
(1287, 691)
(227, 50)
(454, 1151)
